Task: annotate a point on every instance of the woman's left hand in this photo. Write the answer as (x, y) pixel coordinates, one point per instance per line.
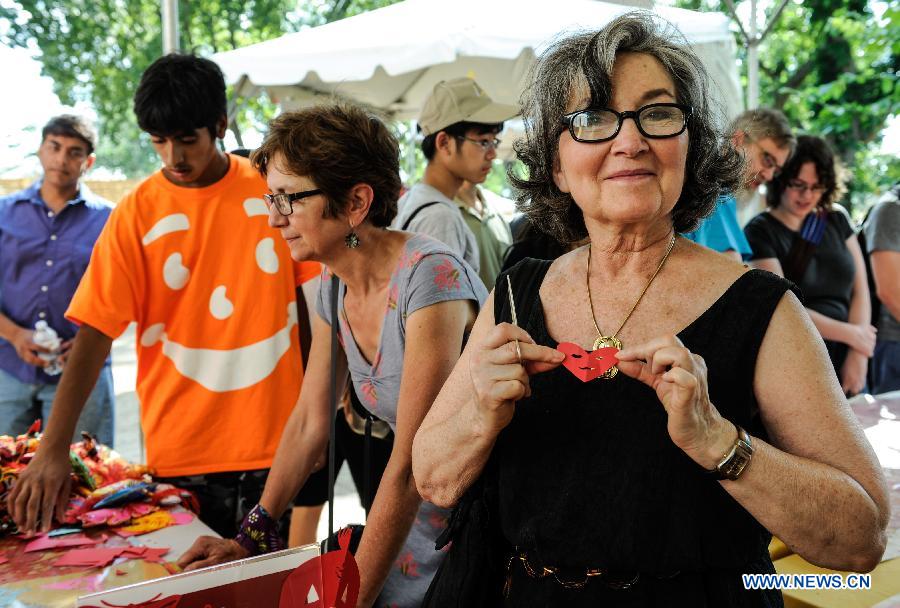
(210, 551)
(679, 378)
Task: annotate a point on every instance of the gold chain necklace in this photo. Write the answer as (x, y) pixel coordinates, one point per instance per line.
(613, 340)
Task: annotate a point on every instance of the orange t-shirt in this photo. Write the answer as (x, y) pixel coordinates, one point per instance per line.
(212, 289)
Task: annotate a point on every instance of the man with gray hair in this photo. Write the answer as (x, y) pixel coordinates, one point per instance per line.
(765, 138)
(47, 233)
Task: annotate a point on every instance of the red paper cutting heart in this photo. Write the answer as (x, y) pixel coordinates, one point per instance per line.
(587, 365)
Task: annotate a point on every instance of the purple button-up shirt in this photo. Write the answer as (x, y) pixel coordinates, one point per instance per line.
(42, 257)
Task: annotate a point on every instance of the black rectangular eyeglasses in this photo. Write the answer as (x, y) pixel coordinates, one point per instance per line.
(656, 121)
(283, 201)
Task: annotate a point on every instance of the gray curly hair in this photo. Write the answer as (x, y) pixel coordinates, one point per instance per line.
(585, 61)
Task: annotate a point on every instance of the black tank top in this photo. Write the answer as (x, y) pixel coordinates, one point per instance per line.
(586, 475)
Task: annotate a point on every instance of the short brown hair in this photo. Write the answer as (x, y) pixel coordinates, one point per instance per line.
(762, 123)
(337, 146)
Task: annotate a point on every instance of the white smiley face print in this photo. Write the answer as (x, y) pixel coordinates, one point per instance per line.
(219, 370)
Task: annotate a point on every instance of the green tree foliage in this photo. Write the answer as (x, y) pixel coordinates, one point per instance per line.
(832, 66)
(96, 50)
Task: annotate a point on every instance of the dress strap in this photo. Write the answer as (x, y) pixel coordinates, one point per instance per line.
(526, 278)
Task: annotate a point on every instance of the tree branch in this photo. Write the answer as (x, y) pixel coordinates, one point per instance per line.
(733, 11)
(797, 78)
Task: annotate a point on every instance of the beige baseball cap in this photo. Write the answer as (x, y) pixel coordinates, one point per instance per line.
(461, 100)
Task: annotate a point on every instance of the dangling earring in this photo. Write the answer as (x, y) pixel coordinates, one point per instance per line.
(352, 239)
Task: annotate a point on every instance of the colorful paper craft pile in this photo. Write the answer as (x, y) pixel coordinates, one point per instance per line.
(107, 490)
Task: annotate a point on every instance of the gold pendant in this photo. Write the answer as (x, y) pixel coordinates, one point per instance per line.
(606, 342)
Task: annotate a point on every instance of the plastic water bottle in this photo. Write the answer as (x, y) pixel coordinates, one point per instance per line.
(46, 336)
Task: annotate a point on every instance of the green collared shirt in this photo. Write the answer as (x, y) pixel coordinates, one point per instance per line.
(492, 235)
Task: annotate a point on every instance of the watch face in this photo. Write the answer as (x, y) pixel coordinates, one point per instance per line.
(736, 465)
(737, 459)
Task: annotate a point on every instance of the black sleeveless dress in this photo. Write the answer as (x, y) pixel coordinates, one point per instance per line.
(586, 476)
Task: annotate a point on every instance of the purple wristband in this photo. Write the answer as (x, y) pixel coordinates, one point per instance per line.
(259, 532)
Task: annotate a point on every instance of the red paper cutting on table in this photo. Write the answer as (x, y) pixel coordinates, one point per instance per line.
(44, 543)
(103, 556)
(94, 557)
(155, 555)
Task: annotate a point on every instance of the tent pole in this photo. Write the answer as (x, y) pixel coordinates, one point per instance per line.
(753, 60)
(170, 26)
(752, 40)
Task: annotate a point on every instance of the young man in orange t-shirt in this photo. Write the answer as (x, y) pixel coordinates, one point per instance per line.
(190, 257)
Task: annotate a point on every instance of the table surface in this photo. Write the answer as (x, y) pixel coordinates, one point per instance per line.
(880, 418)
(61, 590)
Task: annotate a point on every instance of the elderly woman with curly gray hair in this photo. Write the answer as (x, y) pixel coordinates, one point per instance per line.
(630, 423)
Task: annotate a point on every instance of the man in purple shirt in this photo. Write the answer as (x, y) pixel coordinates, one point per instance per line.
(47, 232)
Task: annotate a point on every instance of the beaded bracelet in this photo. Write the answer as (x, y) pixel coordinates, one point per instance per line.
(259, 532)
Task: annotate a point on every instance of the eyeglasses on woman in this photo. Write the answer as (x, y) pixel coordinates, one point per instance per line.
(656, 121)
(283, 202)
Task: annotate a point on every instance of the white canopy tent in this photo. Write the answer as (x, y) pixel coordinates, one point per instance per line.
(392, 57)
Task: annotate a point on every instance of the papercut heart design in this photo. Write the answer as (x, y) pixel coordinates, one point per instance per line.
(587, 365)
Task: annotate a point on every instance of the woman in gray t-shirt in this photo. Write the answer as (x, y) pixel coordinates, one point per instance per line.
(426, 273)
(405, 303)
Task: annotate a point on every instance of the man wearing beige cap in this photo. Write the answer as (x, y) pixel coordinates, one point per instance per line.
(460, 123)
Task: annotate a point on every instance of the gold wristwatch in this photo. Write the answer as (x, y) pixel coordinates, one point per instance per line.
(735, 461)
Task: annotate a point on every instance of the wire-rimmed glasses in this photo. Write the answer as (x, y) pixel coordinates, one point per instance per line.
(486, 144)
(800, 187)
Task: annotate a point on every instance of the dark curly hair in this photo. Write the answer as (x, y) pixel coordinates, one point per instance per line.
(585, 60)
(337, 146)
(815, 150)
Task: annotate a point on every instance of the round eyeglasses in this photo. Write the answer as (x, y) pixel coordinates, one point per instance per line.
(767, 160)
(656, 121)
(284, 202)
(486, 144)
(801, 187)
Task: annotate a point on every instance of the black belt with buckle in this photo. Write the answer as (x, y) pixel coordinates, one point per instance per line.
(571, 578)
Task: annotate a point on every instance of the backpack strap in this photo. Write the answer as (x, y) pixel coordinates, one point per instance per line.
(874, 301)
(415, 213)
(335, 284)
(804, 245)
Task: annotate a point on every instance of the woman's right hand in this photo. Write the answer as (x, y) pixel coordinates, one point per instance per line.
(500, 377)
(209, 551)
(862, 338)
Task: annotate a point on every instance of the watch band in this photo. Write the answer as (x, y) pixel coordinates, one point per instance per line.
(735, 461)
